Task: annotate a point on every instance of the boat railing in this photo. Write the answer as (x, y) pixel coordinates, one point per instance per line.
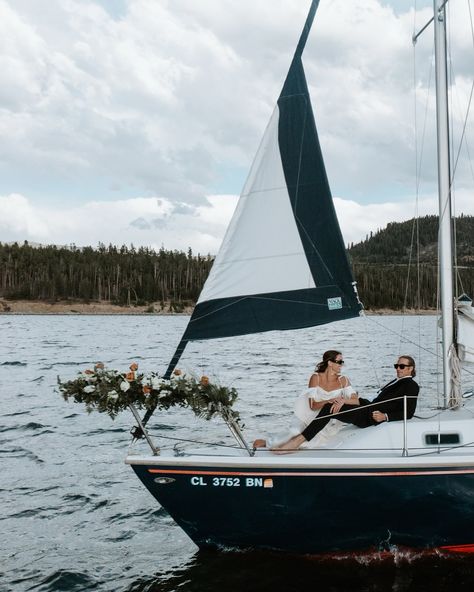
(379, 404)
(151, 444)
(244, 445)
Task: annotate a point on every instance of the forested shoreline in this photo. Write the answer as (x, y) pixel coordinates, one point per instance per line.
(120, 275)
(397, 267)
(390, 273)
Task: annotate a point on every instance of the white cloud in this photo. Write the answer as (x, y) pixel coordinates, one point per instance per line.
(165, 98)
(358, 220)
(168, 93)
(151, 222)
(159, 222)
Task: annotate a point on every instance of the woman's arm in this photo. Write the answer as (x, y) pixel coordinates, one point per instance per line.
(314, 382)
(315, 405)
(340, 401)
(353, 398)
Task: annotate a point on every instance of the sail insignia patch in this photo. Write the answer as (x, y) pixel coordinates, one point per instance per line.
(334, 303)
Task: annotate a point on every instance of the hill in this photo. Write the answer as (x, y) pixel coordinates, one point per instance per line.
(387, 267)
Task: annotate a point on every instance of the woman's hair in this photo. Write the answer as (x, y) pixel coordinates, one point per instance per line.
(328, 356)
(411, 361)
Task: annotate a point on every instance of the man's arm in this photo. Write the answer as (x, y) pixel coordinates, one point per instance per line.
(411, 390)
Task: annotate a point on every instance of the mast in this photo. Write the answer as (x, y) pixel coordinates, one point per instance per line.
(444, 196)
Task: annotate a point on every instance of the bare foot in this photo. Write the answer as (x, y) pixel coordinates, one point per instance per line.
(290, 446)
(259, 443)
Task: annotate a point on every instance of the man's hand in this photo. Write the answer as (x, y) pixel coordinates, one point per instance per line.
(378, 416)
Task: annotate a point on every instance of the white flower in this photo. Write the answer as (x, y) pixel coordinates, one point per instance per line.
(155, 382)
(90, 388)
(112, 395)
(164, 393)
(88, 377)
(124, 386)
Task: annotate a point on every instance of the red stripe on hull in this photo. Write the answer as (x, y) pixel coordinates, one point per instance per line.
(314, 474)
(469, 548)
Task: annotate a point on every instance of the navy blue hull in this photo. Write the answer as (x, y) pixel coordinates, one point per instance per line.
(317, 511)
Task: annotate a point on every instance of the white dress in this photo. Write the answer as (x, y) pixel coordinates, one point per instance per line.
(303, 415)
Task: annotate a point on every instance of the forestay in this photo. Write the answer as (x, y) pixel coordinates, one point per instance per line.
(282, 264)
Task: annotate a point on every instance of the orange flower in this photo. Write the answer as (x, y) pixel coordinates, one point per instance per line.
(204, 380)
(133, 366)
(130, 376)
(99, 366)
(88, 371)
(146, 388)
(177, 372)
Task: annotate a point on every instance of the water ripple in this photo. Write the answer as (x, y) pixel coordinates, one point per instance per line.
(80, 520)
(13, 363)
(69, 581)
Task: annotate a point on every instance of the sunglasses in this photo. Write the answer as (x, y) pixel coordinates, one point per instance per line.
(402, 366)
(340, 362)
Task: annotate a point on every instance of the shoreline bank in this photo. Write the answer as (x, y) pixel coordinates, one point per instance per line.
(35, 307)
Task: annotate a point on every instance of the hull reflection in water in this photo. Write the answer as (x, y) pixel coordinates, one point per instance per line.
(400, 570)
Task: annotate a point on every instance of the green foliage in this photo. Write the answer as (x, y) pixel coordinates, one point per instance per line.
(126, 276)
(390, 274)
(109, 391)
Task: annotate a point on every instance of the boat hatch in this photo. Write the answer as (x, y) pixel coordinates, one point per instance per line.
(437, 439)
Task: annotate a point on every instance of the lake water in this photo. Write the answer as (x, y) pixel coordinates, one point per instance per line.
(75, 517)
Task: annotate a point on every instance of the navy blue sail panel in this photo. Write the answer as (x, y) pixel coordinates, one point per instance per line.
(331, 295)
(282, 264)
(308, 187)
(267, 312)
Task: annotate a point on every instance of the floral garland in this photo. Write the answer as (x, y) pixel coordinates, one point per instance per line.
(110, 391)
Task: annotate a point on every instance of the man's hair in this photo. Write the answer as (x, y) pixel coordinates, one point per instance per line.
(411, 361)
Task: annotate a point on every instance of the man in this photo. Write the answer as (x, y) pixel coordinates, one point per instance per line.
(387, 406)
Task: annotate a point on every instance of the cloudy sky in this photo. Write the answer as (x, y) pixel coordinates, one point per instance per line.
(136, 121)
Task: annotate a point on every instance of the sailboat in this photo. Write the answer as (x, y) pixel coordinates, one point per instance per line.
(405, 475)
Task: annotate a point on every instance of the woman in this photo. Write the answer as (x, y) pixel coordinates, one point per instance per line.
(326, 385)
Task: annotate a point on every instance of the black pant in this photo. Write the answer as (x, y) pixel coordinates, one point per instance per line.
(357, 415)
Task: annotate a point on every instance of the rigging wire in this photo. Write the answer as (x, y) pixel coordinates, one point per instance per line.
(407, 282)
(454, 361)
(234, 446)
(419, 154)
(463, 140)
(425, 349)
(452, 192)
(369, 339)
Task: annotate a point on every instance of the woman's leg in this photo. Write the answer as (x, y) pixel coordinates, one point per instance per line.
(318, 423)
(321, 421)
(290, 446)
(355, 415)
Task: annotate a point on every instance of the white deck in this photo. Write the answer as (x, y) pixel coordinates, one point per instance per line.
(380, 446)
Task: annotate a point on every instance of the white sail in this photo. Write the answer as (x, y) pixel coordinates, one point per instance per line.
(262, 250)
